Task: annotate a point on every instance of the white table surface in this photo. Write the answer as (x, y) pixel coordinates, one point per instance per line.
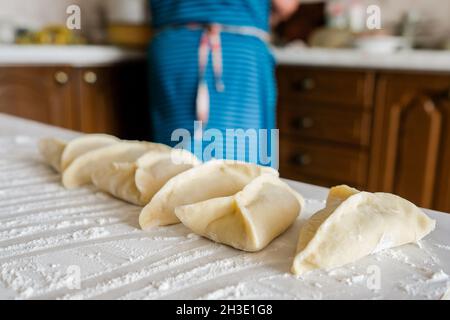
(48, 234)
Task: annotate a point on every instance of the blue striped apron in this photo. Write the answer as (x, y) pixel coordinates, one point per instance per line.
(210, 42)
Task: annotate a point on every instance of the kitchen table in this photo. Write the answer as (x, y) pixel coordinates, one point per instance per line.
(83, 244)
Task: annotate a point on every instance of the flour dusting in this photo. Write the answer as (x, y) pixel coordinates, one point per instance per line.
(84, 244)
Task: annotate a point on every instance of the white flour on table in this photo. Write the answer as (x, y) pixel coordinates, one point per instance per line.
(83, 244)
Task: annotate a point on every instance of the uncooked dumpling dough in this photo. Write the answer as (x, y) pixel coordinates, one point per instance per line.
(355, 224)
(130, 170)
(51, 150)
(60, 154)
(217, 178)
(138, 181)
(82, 145)
(249, 220)
(80, 171)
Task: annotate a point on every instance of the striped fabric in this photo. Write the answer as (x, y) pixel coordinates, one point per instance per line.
(248, 101)
(230, 12)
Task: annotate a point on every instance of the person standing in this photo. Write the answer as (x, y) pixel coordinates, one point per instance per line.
(210, 62)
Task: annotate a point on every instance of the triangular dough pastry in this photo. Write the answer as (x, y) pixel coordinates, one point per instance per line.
(130, 170)
(60, 154)
(138, 181)
(82, 145)
(80, 171)
(216, 178)
(51, 150)
(355, 224)
(249, 220)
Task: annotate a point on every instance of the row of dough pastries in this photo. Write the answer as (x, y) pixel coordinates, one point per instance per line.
(239, 204)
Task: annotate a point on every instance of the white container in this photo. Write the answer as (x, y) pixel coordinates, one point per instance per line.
(381, 44)
(7, 31)
(128, 11)
(356, 16)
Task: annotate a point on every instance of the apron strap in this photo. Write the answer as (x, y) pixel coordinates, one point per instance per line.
(210, 42)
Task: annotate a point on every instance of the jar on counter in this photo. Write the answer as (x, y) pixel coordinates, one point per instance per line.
(128, 23)
(7, 31)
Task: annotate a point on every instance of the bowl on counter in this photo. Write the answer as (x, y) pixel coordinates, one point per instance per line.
(381, 44)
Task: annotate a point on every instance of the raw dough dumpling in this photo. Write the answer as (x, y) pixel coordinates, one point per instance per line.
(51, 150)
(60, 154)
(82, 145)
(355, 224)
(80, 171)
(217, 178)
(138, 181)
(249, 220)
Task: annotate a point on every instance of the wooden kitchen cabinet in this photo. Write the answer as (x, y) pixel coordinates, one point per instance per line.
(325, 120)
(343, 88)
(110, 99)
(329, 163)
(375, 130)
(97, 108)
(411, 139)
(39, 94)
(326, 123)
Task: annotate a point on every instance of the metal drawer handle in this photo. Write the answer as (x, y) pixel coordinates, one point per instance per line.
(61, 77)
(90, 77)
(309, 84)
(306, 84)
(304, 123)
(302, 159)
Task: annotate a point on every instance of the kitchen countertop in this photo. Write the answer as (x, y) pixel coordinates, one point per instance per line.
(91, 56)
(415, 60)
(49, 235)
(75, 56)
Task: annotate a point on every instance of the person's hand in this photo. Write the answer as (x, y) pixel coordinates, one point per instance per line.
(282, 9)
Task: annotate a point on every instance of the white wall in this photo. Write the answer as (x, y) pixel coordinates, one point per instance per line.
(435, 15)
(35, 13)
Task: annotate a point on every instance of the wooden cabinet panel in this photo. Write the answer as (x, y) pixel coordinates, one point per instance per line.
(442, 185)
(310, 122)
(340, 88)
(110, 99)
(325, 122)
(322, 161)
(327, 118)
(41, 94)
(411, 139)
(98, 110)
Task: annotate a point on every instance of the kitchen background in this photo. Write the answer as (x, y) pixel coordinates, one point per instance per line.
(35, 14)
(366, 108)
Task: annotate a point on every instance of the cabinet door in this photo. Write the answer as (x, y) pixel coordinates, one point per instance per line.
(37, 93)
(97, 108)
(410, 149)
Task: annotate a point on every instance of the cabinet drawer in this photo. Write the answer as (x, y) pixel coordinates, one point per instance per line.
(345, 165)
(348, 88)
(336, 125)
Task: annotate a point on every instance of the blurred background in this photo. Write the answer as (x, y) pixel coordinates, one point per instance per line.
(370, 108)
(428, 18)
